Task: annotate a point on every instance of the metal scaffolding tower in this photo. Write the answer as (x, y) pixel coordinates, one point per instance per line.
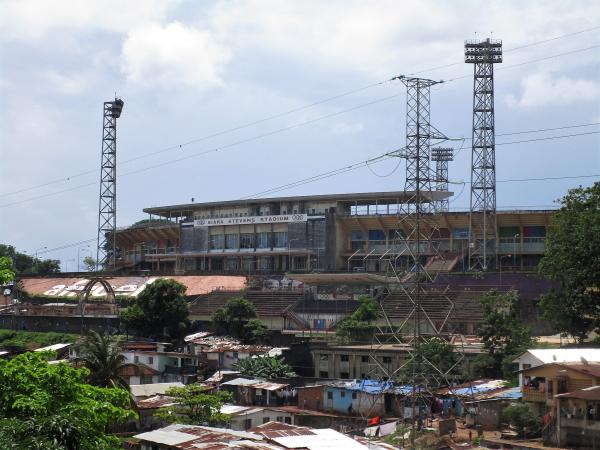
(483, 54)
(410, 277)
(107, 209)
(442, 156)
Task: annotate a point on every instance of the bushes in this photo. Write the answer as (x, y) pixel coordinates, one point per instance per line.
(20, 341)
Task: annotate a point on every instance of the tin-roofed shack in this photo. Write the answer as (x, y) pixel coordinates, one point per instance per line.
(259, 392)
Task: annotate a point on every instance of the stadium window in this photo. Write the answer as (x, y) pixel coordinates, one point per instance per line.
(150, 359)
(387, 359)
(136, 359)
(288, 419)
(246, 240)
(323, 374)
(281, 240)
(263, 239)
(364, 358)
(343, 393)
(344, 358)
(344, 375)
(329, 395)
(266, 419)
(323, 357)
(279, 419)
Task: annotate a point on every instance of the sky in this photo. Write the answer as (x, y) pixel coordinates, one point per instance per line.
(192, 74)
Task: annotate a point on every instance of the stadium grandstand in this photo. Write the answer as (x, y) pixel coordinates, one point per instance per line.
(322, 233)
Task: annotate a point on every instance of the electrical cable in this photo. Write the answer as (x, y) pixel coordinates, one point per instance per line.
(291, 111)
(210, 136)
(431, 69)
(64, 246)
(526, 62)
(258, 137)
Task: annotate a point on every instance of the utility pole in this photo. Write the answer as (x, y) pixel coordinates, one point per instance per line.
(106, 252)
(483, 54)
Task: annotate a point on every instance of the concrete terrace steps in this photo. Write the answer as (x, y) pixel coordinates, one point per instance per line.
(398, 304)
(273, 303)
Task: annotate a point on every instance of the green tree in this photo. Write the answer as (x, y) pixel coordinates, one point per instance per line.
(159, 311)
(50, 406)
(265, 367)
(25, 264)
(89, 263)
(525, 421)
(193, 405)
(255, 331)
(101, 354)
(504, 337)
(358, 326)
(572, 262)
(234, 317)
(6, 272)
(436, 358)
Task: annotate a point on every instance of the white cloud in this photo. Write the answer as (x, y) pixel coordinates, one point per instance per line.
(35, 19)
(69, 84)
(173, 55)
(347, 128)
(542, 90)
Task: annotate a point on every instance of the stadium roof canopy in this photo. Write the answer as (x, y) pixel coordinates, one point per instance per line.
(359, 199)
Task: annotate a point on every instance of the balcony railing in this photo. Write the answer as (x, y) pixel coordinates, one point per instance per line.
(534, 395)
(528, 245)
(505, 245)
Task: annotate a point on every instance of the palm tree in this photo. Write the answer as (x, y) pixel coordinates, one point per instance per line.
(101, 354)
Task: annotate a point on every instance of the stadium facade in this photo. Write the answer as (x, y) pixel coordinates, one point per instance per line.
(328, 233)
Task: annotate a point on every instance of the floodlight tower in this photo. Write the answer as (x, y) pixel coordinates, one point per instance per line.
(107, 209)
(483, 54)
(442, 156)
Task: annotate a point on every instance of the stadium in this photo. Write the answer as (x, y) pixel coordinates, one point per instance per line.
(322, 233)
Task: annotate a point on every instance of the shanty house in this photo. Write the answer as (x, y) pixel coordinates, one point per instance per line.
(578, 418)
(259, 392)
(244, 417)
(543, 383)
(368, 398)
(540, 356)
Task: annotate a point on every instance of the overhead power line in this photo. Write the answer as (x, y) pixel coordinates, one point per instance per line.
(513, 49)
(317, 177)
(300, 108)
(6, 205)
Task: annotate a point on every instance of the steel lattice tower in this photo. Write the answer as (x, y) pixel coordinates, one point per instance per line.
(409, 286)
(482, 213)
(107, 209)
(442, 156)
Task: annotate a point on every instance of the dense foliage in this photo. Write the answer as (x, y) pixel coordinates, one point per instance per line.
(51, 407)
(265, 367)
(101, 354)
(572, 262)
(23, 264)
(193, 405)
(20, 341)
(504, 337)
(6, 273)
(526, 422)
(159, 311)
(358, 326)
(435, 358)
(238, 318)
